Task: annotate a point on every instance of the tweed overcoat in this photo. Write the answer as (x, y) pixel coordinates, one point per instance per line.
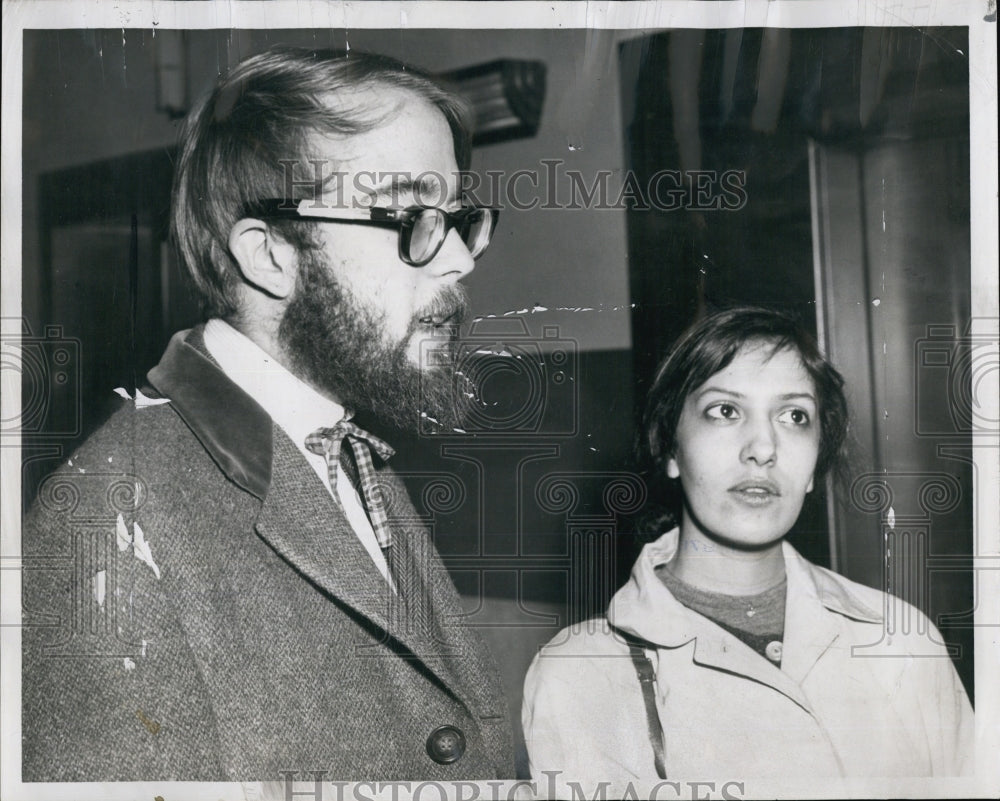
(197, 607)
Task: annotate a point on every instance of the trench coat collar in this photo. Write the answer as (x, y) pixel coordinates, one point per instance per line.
(646, 608)
(231, 426)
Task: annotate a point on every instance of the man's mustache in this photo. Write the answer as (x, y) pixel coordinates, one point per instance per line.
(449, 307)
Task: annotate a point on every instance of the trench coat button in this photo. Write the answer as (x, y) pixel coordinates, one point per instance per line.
(446, 744)
(773, 650)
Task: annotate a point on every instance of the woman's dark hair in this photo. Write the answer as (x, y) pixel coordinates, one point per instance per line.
(710, 346)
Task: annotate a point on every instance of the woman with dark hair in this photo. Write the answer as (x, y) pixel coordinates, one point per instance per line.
(735, 655)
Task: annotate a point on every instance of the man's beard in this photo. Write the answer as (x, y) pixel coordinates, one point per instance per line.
(339, 346)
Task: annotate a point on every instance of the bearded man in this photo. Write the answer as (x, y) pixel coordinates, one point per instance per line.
(259, 599)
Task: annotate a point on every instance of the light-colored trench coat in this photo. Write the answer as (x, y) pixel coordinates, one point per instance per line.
(848, 699)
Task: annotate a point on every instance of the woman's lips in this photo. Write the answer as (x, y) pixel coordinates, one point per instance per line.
(756, 491)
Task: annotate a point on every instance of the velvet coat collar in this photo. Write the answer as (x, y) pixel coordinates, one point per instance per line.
(232, 427)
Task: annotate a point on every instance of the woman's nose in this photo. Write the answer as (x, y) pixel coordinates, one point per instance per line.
(761, 442)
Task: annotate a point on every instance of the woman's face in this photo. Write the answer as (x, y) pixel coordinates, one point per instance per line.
(746, 448)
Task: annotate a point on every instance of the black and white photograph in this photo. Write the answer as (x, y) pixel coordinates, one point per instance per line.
(492, 400)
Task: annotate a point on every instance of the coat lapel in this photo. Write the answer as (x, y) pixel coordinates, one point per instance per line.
(723, 651)
(300, 520)
(303, 523)
(814, 623)
(433, 623)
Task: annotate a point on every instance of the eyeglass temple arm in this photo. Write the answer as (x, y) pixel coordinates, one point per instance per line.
(316, 209)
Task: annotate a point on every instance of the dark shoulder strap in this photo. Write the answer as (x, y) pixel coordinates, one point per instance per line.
(647, 677)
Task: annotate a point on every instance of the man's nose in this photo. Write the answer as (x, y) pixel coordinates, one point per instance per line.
(760, 446)
(453, 260)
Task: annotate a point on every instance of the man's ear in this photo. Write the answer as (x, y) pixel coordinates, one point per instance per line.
(266, 261)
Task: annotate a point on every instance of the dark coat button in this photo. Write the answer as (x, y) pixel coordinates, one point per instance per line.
(446, 744)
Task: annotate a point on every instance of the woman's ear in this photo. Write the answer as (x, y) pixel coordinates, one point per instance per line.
(673, 471)
(266, 261)
(809, 486)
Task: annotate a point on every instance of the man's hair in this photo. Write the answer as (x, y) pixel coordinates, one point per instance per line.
(239, 141)
(709, 347)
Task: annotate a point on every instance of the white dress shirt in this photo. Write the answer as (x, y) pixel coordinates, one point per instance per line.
(299, 410)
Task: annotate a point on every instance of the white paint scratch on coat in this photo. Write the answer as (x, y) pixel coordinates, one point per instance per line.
(142, 550)
(122, 537)
(100, 586)
(142, 401)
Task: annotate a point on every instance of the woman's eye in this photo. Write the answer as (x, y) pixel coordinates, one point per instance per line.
(797, 417)
(722, 411)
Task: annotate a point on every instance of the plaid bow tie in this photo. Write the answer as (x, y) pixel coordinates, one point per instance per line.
(328, 442)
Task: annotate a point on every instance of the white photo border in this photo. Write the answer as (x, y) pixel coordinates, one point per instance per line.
(980, 17)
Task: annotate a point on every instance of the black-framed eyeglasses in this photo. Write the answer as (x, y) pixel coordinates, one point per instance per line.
(422, 230)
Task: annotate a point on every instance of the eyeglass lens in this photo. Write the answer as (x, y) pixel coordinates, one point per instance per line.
(430, 227)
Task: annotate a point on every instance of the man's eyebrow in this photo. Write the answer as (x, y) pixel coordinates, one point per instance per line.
(427, 188)
(397, 184)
